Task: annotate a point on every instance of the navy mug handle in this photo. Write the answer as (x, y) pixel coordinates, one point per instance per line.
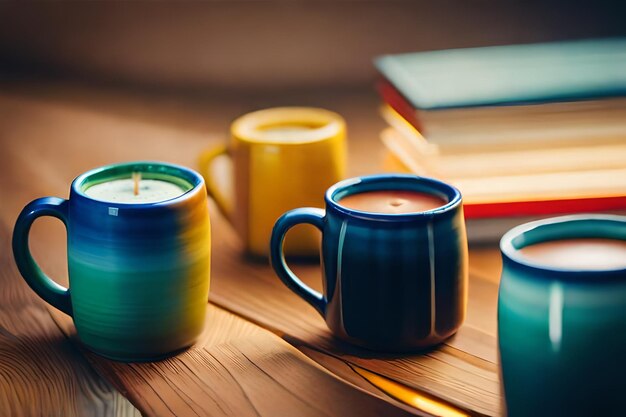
(288, 220)
(50, 291)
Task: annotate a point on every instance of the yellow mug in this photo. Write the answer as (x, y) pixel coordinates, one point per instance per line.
(282, 158)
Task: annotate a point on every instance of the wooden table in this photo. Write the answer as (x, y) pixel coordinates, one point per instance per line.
(264, 351)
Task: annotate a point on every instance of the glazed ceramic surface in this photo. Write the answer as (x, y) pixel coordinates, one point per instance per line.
(275, 173)
(392, 282)
(562, 332)
(138, 273)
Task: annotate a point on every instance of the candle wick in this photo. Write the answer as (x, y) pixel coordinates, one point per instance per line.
(136, 176)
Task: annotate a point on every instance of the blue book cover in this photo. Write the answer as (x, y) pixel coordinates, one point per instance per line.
(508, 75)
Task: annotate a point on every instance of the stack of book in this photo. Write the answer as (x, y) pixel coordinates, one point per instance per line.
(524, 131)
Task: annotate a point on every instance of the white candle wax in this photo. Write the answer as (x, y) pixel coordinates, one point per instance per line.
(122, 191)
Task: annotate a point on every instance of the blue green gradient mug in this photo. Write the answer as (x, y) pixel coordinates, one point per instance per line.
(138, 271)
(562, 331)
(393, 282)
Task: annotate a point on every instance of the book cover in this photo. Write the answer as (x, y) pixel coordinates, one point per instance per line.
(505, 75)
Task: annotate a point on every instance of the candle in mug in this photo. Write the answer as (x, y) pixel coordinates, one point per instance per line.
(578, 254)
(392, 201)
(139, 273)
(135, 190)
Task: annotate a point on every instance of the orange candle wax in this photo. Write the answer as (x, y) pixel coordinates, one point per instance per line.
(392, 201)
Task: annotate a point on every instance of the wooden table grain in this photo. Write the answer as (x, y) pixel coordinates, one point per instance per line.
(265, 351)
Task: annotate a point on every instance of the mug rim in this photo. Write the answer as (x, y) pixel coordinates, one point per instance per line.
(194, 179)
(450, 192)
(509, 248)
(246, 127)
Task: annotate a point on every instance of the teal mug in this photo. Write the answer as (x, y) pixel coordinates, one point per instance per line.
(138, 264)
(392, 282)
(562, 329)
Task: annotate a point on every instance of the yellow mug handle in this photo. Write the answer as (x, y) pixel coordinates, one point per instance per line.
(204, 161)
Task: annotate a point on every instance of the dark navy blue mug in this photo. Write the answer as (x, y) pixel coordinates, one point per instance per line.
(394, 282)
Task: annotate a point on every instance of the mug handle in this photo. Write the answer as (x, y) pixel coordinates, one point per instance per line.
(204, 161)
(288, 220)
(53, 293)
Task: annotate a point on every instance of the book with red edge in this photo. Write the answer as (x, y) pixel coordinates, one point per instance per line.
(562, 91)
(494, 205)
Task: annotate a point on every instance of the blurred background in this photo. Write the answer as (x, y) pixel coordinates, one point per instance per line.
(236, 45)
(89, 83)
